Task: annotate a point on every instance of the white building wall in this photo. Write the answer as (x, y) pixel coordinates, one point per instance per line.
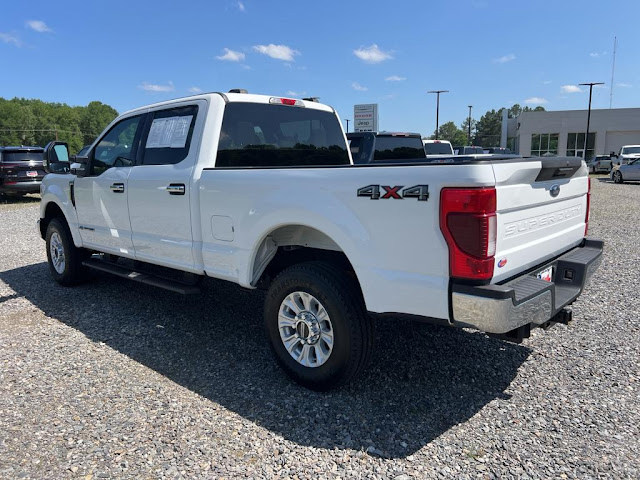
(613, 128)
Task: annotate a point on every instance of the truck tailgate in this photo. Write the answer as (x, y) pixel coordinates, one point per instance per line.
(541, 211)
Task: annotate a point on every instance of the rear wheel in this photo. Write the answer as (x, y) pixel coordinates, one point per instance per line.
(65, 259)
(617, 177)
(317, 325)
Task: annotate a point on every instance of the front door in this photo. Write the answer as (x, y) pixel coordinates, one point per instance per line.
(101, 197)
(160, 188)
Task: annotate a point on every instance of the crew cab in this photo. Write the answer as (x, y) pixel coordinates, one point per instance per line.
(262, 191)
(21, 170)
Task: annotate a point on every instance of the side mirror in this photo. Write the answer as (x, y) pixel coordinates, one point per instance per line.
(55, 158)
(80, 167)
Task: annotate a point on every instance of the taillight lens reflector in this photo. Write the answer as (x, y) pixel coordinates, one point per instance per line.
(586, 216)
(468, 223)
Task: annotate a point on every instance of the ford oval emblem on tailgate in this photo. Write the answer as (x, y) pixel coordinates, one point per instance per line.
(554, 190)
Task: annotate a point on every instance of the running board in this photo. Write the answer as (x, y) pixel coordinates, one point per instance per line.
(140, 277)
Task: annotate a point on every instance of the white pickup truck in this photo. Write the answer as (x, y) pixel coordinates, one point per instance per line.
(262, 191)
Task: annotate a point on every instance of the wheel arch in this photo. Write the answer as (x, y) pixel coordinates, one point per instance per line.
(287, 245)
(53, 210)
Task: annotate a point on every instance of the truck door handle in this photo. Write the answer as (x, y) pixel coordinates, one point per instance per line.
(117, 187)
(176, 189)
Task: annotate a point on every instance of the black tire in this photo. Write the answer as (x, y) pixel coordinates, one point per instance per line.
(72, 272)
(352, 329)
(617, 177)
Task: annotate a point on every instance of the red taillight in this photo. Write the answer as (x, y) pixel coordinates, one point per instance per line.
(468, 223)
(586, 216)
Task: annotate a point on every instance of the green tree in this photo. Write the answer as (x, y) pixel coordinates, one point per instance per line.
(488, 129)
(449, 131)
(34, 122)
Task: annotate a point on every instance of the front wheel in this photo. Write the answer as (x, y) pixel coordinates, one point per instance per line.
(65, 259)
(317, 325)
(617, 177)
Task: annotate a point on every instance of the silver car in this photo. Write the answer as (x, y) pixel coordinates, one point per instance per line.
(624, 172)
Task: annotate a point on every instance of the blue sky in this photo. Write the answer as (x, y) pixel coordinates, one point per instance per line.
(487, 53)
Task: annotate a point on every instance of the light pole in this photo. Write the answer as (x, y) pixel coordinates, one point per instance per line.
(586, 137)
(469, 139)
(347, 120)
(437, 92)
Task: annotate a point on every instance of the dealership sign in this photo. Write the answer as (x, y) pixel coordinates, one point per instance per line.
(365, 118)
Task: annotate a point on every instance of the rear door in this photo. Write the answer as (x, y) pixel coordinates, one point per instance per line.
(160, 186)
(541, 211)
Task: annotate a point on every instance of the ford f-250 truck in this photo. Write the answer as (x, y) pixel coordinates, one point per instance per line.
(262, 191)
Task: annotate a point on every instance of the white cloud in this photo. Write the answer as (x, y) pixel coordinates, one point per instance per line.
(395, 78)
(372, 54)
(623, 85)
(536, 101)
(195, 90)
(231, 56)
(240, 6)
(38, 26)
(597, 54)
(8, 38)
(570, 89)
(358, 87)
(505, 58)
(291, 93)
(150, 87)
(279, 52)
(547, 82)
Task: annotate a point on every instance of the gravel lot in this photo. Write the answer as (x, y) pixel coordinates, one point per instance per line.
(119, 380)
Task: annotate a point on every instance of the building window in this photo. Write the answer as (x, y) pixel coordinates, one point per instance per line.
(542, 143)
(575, 145)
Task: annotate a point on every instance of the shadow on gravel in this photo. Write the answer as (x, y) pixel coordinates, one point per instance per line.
(423, 380)
(13, 199)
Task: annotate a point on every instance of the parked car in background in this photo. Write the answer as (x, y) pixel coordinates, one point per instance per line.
(626, 171)
(498, 150)
(601, 163)
(437, 148)
(626, 154)
(21, 170)
(373, 147)
(468, 150)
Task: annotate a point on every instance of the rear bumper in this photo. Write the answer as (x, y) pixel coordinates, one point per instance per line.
(21, 187)
(526, 299)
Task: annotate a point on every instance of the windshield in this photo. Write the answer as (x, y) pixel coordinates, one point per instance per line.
(388, 147)
(438, 149)
(261, 135)
(628, 150)
(19, 156)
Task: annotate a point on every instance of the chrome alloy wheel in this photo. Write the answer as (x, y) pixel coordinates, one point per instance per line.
(305, 329)
(57, 253)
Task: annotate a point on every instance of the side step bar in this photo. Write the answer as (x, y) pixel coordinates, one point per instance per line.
(145, 278)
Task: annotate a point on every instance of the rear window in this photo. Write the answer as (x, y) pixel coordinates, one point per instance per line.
(437, 148)
(627, 150)
(19, 156)
(398, 147)
(261, 135)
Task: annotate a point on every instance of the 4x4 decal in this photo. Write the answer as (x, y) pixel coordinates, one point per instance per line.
(421, 192)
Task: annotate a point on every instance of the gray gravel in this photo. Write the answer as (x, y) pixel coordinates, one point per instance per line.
(119, 380)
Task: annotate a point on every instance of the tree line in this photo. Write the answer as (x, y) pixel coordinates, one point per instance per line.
(484, 132)
(35, 123)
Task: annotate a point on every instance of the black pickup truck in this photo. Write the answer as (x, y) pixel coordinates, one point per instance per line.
(372, 147)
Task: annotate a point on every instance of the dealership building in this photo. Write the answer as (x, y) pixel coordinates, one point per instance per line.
(563, 132)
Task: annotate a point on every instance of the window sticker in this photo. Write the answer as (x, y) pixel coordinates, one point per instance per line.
(170, 132)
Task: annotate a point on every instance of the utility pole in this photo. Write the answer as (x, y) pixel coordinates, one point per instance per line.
(469, 136)
(437, 92)
(586, 137)
(347, 120)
